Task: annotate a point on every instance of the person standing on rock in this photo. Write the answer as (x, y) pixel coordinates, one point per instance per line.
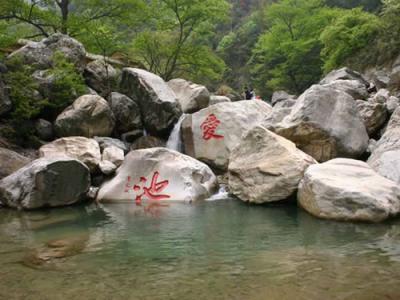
(247, 93)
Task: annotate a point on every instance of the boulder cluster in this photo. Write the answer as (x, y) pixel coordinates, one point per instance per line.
(335, 148)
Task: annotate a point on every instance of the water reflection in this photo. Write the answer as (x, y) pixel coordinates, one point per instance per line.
(210, 250)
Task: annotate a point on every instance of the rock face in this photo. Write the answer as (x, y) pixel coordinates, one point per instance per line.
(265, 167)
(212, 133)
(80, 148)
(348, 190)
(374, 115)
(191, 96)
(105, 142)
(101, 77)
(159, 174)
(46, 182)
(354, 88)
(88, 116)
(126, 112)
(40, 54)
(325, 123)
(344, 74)
(385, 158)
(218, 99)
(5, 102)
(392, 104)
(11, 161)
(158, 104)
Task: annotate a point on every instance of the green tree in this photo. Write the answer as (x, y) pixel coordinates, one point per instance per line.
(176, 40)
(287, 55)
(352, 31)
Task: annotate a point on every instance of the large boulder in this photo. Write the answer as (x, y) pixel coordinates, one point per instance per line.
(348, 190)
(41, 54)
(382, 96)
(11, 161)
(265, 167)
(46, 182)
(159, 174)
(5, 102)
(325, 123)
(126, 112)
(344, 74)
(105, 142)
(354, 88)
(44, 129)
(101, 76)
(392, 103)
(279, 96)
(88, 116)
(147, 141)
(158, 103)
(80, 148)
(212, 133)
(113, 154)
(191, 96)
(374, 115)
(385, 158)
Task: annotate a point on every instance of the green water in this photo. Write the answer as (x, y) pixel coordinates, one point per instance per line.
(212, 250)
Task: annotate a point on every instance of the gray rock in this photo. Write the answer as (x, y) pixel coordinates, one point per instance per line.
(265, 167)
(88, 116)
(344, 74)
(105, 142)
(101, 76)
(40, 54)
(158, 103)
(374, 115)
(114, 155)
(132, 136)
(385, 159)
(382, 96)
(348, 190)
(107, 167)
(44, 129)
(11, 161)
(211, 134)
(279, 96)
(46, 182)
(77, 147)
(126, 112)
(325, 123)
(146, 142)
(159, 174)
(392, 103)
(354, 88)
(192, 97)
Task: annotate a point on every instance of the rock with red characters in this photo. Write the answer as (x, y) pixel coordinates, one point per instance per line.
(212, 133)
(158, 175)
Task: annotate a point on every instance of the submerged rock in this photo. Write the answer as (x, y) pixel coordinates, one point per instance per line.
(348, 190)
(325, 123)
(265, 167)
(158, 103)
(46, 182)
(11, 161)
(88, 116)
(212, 133)
(191, 96)
(81, 148)
(159, 174)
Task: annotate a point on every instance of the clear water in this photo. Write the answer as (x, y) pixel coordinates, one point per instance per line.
(211, 250)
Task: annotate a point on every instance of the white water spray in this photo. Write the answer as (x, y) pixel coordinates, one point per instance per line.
(174, 140)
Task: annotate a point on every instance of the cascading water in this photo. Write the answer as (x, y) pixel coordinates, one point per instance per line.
(174, 140)
(222, 194)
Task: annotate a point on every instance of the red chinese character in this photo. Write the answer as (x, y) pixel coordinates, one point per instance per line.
(153, 191)
(209, 127)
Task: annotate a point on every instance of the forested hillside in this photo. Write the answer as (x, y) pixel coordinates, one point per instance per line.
(271, 45)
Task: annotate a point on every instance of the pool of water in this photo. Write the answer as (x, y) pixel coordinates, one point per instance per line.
(212, 250)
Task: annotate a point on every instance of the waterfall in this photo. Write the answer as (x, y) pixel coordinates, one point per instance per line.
(174, 140)
(221, 195)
